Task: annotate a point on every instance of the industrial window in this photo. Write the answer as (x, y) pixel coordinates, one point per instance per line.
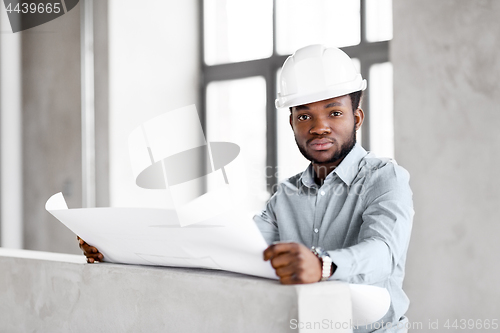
(244, 45)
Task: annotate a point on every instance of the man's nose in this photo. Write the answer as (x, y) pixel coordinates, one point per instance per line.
(320, 127)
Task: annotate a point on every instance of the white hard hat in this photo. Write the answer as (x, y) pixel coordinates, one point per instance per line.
(315, 73)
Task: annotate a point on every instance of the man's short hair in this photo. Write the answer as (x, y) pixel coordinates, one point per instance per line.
(355, 100)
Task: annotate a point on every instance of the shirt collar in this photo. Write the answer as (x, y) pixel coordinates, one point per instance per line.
(349, 167)
(307, 177)
(346, 170)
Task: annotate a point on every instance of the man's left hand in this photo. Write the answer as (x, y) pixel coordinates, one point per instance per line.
(294, 263)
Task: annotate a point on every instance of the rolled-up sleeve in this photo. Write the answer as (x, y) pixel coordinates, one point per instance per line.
(385, 230)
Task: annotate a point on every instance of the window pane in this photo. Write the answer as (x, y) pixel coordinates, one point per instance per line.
(300, 23)
(381, 110)
(237, 30)
(378, 20)
(236, 112)
(290, 160)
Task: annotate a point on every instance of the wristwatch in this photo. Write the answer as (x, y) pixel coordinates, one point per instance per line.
(326, 262)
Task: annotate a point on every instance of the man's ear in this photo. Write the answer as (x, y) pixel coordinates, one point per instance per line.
(359, 116)
(291, 125)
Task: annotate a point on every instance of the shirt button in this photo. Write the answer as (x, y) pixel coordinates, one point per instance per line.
(316, 230)
(322, 192)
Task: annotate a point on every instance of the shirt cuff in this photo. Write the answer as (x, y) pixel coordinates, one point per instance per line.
(343, 260)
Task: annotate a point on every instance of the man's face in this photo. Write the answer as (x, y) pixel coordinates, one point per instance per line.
(325, 131)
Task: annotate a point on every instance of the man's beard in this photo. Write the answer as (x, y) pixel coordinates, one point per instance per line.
(339, 155)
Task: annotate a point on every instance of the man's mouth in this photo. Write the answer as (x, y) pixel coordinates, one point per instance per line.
(320, 144)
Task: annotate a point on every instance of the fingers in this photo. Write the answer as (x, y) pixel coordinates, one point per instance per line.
(290, 279)
(283, 257)
(283, 260)
(279, 248)
(290, 274)
(93, 260)
(91, 252)
(289, 268)
(93, 255)
(294, 263)
(285, 267)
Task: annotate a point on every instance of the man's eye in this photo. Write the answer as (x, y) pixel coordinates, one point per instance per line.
(336, 113)
(303, 117)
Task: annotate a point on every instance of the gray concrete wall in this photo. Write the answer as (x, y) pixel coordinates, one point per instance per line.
(51, 82)
(42, 292)
(51, 128)
(447, 113)
(101, 95)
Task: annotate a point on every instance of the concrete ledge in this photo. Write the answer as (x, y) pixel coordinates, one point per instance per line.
(49, 292)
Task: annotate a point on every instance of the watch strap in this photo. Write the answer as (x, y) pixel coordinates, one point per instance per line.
(326, 262)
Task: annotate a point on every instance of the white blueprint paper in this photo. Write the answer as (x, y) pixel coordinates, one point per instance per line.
(153, 236)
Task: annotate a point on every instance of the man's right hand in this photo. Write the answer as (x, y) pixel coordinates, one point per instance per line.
(90, 252)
